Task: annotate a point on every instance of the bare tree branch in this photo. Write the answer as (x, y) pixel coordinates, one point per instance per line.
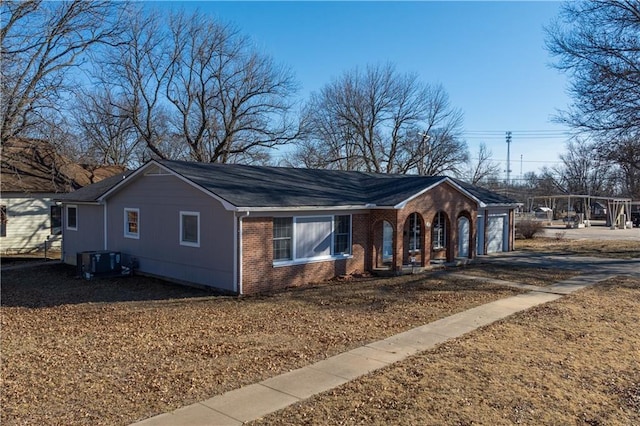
(41, 43)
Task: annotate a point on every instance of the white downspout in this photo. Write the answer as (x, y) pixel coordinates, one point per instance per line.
(240, 290)
(104, 210)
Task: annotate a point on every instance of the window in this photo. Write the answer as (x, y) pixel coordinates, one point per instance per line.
(132, 223)
(190, 229)
(55, 216)
(311, 237)
(415, 232)
(282, 234)
(439, 231)
(72, 218)
(3, 221)
(342, 235)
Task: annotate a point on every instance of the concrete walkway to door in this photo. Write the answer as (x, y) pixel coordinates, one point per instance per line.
(257, 400)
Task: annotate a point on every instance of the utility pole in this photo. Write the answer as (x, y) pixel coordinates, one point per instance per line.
(508, 158)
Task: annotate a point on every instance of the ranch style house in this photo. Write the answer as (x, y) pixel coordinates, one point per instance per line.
(252, 229)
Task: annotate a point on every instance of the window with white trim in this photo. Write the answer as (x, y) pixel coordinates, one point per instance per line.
(71, 218)
(312, 237)
(132, 223)
(190, 229)
(439, 231)
(309, 238)
(282, 238)
(415, 233)
(342, 234)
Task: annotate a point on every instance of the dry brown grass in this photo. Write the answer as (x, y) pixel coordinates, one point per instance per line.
(574, 361)
(622, 249)
(113, 351)
(521, 274)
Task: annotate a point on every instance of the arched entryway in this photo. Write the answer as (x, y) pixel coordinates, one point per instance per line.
(383, 245)
(464, 230)
(387, 243)
(440, 238)
(414, 240)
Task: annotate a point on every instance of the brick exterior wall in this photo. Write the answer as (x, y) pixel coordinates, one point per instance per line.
(260, 276)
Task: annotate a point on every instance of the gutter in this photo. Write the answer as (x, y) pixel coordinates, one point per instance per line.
(238, 254)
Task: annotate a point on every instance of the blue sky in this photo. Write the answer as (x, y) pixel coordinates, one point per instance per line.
(489, 56)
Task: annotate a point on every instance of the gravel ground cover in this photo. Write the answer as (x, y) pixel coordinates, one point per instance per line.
(113, 351)
(575, 361)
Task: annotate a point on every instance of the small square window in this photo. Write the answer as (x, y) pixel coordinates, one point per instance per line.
(132, 223)
(190, 229)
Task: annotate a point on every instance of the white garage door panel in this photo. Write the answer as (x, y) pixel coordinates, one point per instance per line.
(495, 234)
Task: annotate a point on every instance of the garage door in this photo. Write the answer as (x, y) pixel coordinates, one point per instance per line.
(495, 234)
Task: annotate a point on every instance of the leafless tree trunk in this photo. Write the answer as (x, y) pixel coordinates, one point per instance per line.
(376, 121)
(41, 43)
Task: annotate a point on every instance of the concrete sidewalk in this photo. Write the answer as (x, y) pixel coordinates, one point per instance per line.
(257, 400)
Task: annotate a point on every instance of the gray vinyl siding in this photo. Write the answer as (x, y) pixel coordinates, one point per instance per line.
(90, 233)
(160, 199)
(28, 223)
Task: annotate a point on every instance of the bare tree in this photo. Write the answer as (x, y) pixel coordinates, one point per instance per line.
(597, 44)
(108, 135)
(196, 89)
(41, 43)
(582, 172)
(482, 168)
(381, 121)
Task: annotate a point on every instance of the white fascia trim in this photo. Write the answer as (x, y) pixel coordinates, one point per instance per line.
(227, 205)
(84, 203)
(403, 204)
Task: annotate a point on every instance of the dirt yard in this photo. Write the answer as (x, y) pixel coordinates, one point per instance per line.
(113, 351)
(575, 361)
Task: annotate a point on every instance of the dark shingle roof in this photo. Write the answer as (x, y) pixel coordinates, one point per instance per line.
(257, 186)
(279, 187)
(485, 195)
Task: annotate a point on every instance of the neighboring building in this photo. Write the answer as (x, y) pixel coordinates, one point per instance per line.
(248, 229)
(32, 174)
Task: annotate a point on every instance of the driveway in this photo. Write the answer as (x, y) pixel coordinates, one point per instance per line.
(596, 232)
